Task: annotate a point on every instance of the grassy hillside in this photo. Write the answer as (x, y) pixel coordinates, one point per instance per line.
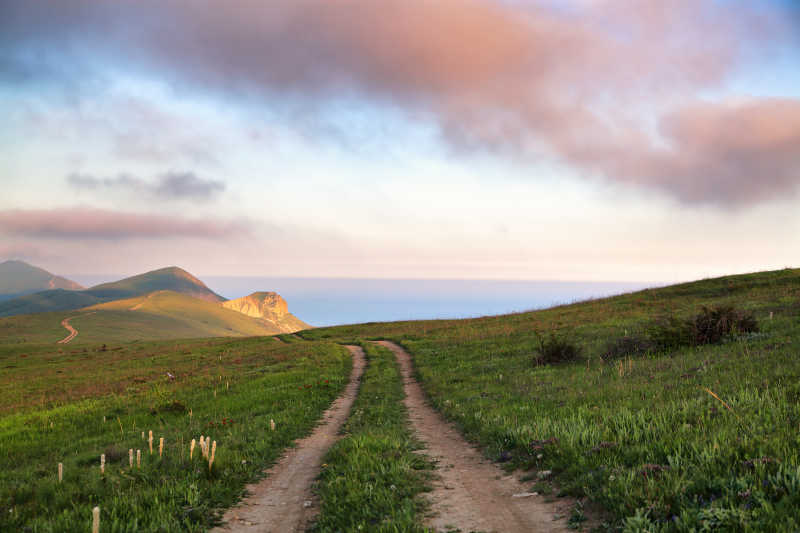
(159, 315)
(18, 278)
(170, 279)
(687, 438)
(59, 406)
(165, 279)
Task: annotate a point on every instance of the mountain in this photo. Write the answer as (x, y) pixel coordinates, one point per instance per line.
(171, 278)
(268, 306)
(18, 278)
(165, 279)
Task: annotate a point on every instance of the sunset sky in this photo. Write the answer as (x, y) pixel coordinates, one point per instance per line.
(506, 139)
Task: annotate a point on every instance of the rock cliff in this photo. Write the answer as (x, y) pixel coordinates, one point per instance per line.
(269, 306)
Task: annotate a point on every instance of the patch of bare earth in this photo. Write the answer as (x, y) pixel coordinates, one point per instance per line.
(283, 501)
(471, 494)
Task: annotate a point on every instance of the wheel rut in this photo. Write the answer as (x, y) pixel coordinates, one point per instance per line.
(471, 494)
(72, 331)
(283, 501)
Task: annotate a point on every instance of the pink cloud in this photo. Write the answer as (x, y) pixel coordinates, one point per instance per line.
(88, 223)
(579, 84)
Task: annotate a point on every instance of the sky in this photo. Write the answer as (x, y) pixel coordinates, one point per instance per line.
(589, 140)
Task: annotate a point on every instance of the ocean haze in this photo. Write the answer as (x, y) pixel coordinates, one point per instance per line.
(333, 301)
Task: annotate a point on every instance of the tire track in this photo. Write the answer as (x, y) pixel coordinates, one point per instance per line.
(283, 501)
(72, 331)
(472, 493)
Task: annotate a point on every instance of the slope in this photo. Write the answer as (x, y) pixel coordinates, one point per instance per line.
(172, 279)
(165, 315)
(18, 278)
(679, 437)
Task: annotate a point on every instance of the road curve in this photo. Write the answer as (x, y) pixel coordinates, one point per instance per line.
(72, 331)
(283, 502)
(472, 493)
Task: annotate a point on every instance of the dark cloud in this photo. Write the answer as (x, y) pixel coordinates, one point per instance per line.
(170, 185)
(520, 78)
(87, 223)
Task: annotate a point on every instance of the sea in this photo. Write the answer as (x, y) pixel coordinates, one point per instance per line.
(335, 301)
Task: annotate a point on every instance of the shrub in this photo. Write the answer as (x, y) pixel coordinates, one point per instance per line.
(555, 349)
(627, 346)
(713, 324)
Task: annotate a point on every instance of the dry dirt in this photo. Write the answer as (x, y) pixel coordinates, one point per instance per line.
(471, 494)
(72, 331)
(283, 501)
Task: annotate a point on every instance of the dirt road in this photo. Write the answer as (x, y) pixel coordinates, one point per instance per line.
(283, 501)
(72, 331)
(472, 493)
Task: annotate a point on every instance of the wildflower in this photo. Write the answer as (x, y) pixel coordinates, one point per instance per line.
(138, 458)
(191, 449)
(150, 441)
(271, 424)
(213, 452)
(160, 446)
(130, 457)
(60, 472)
(102, 463)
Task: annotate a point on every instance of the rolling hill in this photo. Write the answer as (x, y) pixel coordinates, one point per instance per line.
(155, 316)
(18, 278)
(171, 279)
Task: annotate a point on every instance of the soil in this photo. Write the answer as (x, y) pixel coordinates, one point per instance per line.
(471, 493)
(283, 501)
(72, 331)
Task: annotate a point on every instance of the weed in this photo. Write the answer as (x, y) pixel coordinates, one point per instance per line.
(555, 349)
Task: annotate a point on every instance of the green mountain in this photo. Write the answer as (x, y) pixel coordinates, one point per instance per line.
(171, 279)
(18, 278)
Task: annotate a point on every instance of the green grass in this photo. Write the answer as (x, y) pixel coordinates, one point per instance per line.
(601, 427)
(228, 389)
(373, 479)
(157, 316)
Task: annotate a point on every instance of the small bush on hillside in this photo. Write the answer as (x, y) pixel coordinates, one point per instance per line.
(711, 325)
(554, 349)
(627, 346)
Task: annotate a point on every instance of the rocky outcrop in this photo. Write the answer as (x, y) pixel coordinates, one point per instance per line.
(269, 306)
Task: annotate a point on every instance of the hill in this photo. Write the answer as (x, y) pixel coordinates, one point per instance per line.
(172, 279)
(648, 422)
(18, 278)
(165, 279)
(269, 306)
(155, 316)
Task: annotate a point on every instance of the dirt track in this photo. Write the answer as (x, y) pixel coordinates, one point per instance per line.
(472, 494)
(283, 501)
(72, 331)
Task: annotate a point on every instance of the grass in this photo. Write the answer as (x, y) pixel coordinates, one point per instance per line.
(157, 316)
(691, 438)
(226, 389)
(373, 480)
(642, 437)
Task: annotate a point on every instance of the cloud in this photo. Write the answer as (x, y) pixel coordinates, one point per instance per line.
(169, 186)
(88, 223)
(579, 83)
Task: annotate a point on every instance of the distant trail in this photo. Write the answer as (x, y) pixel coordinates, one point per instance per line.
(72, 331)
(473, 494)
(283, 502)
